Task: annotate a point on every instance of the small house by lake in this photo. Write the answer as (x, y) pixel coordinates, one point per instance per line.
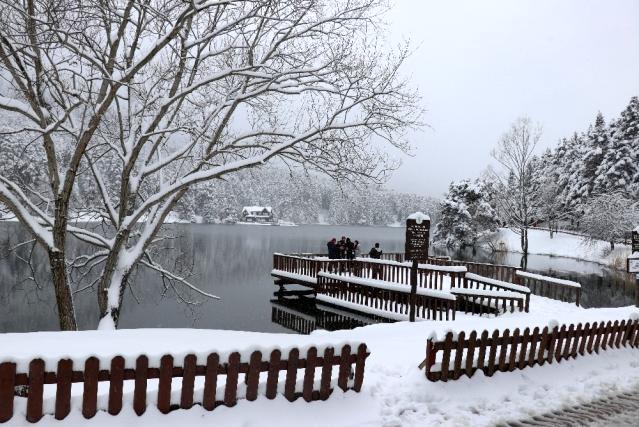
(262, 214)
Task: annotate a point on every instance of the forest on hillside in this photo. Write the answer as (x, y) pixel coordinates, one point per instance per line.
(301, 198)
(588, 183)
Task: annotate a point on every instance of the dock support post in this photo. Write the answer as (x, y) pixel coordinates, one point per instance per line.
(413, 290)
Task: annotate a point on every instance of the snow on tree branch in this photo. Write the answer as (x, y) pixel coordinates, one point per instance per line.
(132, 103)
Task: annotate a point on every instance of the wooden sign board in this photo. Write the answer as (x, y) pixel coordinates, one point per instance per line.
(633, 265)
(417, 236)
(635, 241)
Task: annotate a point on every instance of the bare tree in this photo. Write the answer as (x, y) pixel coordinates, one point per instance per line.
(514, 180)
(142, 99)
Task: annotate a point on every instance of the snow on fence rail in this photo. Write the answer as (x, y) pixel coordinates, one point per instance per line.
(474, 281)
(306, 266)
(504, 273)
(385, 299)
(457, 355)
(300, 269)
(551, 287)
(431, 276)
(388, 256)
(478, 301)
(90, 373)
(428, 275)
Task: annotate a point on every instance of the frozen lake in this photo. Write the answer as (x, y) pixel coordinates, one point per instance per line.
(234, 262)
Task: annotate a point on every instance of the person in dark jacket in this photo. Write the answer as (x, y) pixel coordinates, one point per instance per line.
(350, 249)
(375, 252)
(332, 248)
(341, 248)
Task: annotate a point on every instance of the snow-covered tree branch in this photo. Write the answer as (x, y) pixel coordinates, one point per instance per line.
(515, 190)
(143, 99)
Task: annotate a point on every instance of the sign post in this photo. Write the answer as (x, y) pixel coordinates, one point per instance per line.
(416, 250)
(633, 261)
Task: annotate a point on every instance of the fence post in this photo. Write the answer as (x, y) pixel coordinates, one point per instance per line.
(413, 290)
(7, 384)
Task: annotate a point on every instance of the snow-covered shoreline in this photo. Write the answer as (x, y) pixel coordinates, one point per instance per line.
(566, 245)
(395, 392)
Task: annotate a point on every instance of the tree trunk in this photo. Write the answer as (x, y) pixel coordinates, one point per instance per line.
(63, 295)
(612, 245)
(524, 240)
(108, 276)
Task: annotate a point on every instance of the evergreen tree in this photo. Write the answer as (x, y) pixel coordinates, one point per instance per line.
(598, 145)
(466, 214)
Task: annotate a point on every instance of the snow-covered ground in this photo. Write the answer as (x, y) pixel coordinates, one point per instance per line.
(564, 245)
(395, 392)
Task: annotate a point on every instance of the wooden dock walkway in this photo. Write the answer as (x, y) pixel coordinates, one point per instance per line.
(442, 286)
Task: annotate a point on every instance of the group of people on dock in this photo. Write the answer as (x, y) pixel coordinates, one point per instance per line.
(346, 248)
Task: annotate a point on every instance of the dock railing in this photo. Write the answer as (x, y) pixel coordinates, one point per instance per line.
(386, 299)
(505, 273)
(429, 276)
(551, 287)
(308, 266)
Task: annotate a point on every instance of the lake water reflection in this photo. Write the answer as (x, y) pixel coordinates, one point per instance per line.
(234, 262)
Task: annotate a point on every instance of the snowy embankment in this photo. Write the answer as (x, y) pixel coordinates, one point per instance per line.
(395, 392)
(563, 245)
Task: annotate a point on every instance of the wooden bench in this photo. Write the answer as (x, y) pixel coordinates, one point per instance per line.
(349, 362)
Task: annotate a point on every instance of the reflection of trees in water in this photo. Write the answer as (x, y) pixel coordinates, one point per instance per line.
(235, 263)
(605, 288)
(26, 293)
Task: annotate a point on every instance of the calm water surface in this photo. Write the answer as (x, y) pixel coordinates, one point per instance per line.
(234, 262)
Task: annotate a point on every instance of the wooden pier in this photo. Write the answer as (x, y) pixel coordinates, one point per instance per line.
(441, 286)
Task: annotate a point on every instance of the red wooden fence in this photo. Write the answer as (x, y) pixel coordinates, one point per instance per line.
(392, 271)
(474, 281)
(504, 273)
(91, 373)
(427, 277)
(502, 351)
(550, 287)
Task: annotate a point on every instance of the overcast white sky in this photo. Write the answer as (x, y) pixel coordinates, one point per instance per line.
(481, 64)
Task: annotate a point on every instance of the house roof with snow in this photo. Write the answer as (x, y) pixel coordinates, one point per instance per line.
(257, 210)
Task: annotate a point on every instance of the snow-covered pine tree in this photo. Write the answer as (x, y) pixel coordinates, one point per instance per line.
(465, 215)
(569, 161)
(624, 172)
(593, 173)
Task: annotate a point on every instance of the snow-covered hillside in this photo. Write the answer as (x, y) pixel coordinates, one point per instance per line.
(564, 245)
